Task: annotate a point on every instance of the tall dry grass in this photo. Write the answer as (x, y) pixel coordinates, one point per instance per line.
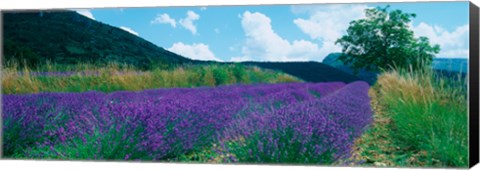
(428, 113)
(114, 77)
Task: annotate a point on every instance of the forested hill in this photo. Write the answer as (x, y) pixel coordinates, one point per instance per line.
(332, 60)
(450, 67)
(308, 71)
(67, 37)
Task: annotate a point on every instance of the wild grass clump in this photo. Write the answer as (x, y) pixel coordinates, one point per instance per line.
(115, 77)
(428, 115)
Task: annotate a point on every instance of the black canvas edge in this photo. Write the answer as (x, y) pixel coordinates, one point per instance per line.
(1, 95)
(474, 86)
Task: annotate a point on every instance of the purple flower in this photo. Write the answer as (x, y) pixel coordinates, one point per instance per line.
(316, 118)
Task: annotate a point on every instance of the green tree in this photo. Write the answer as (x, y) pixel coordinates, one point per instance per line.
(383, 40)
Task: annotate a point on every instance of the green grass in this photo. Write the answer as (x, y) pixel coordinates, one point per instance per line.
(419, 121)
(112, 145)
(114, 77)
(290, 152)
(246, 150)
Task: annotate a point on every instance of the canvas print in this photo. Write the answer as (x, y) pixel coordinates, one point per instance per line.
(373, 84)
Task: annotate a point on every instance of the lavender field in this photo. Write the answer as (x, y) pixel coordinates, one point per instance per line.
(264, 123)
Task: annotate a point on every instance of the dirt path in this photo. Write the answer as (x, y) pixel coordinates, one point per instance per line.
(376, 146)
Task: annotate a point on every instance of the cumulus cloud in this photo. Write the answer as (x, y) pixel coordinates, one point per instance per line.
(187, 22)
(262, 43)
(85, 12)
(129, 30)
(195, 51)
(453, 44)
(328, 22)
(164, 19)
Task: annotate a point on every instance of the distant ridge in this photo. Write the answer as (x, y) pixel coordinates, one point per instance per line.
(332, 60)
(309, 71)
(446, 67)
(451, 64)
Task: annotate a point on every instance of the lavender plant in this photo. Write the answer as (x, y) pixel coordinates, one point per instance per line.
(310, 119)
(318, 131)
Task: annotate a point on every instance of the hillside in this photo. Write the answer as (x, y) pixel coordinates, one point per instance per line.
(451, 64)
(363, 74)
(444, 67)
(67, 37)
(308, 71)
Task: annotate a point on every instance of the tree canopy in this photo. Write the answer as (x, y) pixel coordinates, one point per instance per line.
(383, 40)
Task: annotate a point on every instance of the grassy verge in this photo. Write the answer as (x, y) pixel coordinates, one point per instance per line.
(419, 120)
(84, 77)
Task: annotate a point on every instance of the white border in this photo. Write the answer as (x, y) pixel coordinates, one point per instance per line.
(77, 4)
(56, 4)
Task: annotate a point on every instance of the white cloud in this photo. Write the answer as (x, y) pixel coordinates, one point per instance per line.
(262, 43)
(85, 12)
(164, 19)
(129, 30)
(452, 44)
(327, 23)
(240, 58)
(187, 22)
(195, 51)
(203, 8)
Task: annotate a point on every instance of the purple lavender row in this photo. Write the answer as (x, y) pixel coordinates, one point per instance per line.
(62, 74)
(317, 131)
(151, 125)
(69, 73)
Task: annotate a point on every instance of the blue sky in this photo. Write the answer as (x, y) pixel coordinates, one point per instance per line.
(277, 32)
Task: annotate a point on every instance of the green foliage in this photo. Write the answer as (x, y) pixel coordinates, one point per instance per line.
(114, 77)
(221, 75)
(116, 144)
(428, 116)
(15, 135)
(290, 151)
(383, 40)
(240, 73)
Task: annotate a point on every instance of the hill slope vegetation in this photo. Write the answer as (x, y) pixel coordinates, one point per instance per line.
(66, 37)
(308, 71)
(332, 60)
(443, 67)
